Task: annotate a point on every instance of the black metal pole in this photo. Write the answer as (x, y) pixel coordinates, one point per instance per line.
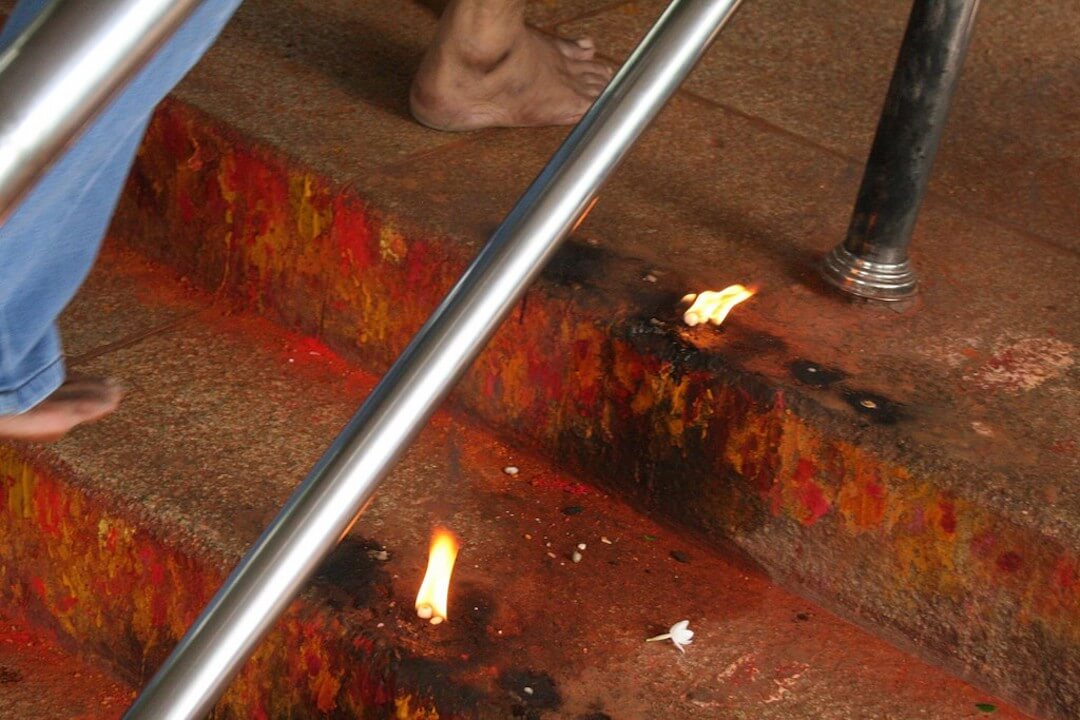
(872, 261)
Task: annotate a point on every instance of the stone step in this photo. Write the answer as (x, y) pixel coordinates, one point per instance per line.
(119, 534)
(909, 469)
(41, 680)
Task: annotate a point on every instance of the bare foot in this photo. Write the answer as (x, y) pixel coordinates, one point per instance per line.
(75, 402)
(486, 68)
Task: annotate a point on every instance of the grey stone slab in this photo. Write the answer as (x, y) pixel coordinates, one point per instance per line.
(820, 70)
(120, 303)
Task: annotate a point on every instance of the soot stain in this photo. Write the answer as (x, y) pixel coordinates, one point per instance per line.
(576, 264)
(814, 375)
(434, 679)
(9, 675)
(877, 408)
(474, 612)
(354, 572)
(541, 694)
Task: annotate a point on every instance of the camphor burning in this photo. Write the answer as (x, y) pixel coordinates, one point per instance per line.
(710, 306)
(431, 600)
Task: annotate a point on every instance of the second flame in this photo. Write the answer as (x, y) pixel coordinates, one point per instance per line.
(431, 600)
(711, 306)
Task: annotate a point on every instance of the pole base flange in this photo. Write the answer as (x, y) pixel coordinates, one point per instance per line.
(888, 282)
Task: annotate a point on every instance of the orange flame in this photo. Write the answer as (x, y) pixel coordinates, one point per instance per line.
(431, 600)
(712, 306)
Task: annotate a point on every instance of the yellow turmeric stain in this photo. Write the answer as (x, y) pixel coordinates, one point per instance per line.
(861, 500)
(392, 247)
(403, 710)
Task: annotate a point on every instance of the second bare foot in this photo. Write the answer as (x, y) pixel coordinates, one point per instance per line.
(516, 77)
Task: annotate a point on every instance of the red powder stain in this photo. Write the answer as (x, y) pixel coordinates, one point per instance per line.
(421, 266)
(16, 637)
(187, 207)
(313, 662)
(67, 603)
(156, 569)
(1064, 447)
(552, 481)
(303, 348)
(1009, 562)
(174, 135)
(491, 385)
(37, 585)
(49, 505)
(544, 373)
(948, 517)
(110, 540)
(351, 235)
(159, 608)
(262, 195)
(811, 496)
(1064, 574)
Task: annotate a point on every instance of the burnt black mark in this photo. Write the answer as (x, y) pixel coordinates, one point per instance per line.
(814, 375)
(473, 610)
(802, 616)
(532, 690)
(679, 556)
(436, 680)
(354, 573)
(877, 408)
(577, 264)
(9, 675)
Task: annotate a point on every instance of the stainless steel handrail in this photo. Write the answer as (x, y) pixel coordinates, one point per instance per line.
(63, 70)
(324, 506)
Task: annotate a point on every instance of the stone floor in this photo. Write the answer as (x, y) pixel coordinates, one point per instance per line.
(41, 681)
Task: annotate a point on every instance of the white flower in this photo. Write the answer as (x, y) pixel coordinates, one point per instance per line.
(679, 633)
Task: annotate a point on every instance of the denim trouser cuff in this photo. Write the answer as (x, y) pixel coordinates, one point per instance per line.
(34, 390)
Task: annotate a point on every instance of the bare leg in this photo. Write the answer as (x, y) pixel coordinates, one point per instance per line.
(77, 401)
(486, 68)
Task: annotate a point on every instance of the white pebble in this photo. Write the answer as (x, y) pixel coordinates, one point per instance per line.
(424, 612)
(551, 555)
(436, 620)
(528, 691)
(581, 546)
(605, 541)
(511, 470)
(576, 557)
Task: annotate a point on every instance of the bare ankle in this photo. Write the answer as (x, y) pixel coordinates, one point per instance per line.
(481, 34)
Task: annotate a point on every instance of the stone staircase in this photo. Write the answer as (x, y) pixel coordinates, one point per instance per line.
(286, 230)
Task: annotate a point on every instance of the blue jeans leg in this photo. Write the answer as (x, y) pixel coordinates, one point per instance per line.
(49, 243)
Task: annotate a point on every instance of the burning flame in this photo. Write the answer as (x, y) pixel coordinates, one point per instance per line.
(431, 600)
(712, 306)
